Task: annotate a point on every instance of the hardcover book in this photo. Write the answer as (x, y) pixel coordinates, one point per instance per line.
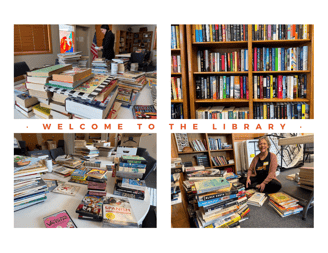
(48, 71)
(90, 206)
(59, 220)
(211, 185)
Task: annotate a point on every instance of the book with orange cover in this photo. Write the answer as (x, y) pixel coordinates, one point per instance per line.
(282, 198)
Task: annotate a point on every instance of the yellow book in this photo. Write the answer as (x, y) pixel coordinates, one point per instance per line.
(296, 85)
(43, 110)
(305, 31)
(265, 111)
(211, 33)
(178, 36)
(303, 111)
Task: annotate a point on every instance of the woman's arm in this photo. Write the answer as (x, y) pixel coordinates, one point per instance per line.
(272, 169)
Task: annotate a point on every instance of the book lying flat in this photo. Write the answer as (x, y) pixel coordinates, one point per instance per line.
(59, 220)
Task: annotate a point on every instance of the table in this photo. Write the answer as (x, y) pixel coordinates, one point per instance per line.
(308, 138)
(144, 98)
(32, 217)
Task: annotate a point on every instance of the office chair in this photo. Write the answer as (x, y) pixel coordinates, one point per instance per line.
(20, 68)
(143, 60)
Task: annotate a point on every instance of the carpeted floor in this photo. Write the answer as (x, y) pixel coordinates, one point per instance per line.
(266, 217)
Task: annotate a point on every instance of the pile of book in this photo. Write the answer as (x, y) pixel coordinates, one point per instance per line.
(222, 62)
(211, 206)
(202, 160)
(222, 112)
(72, 58)
(297, 110)
(36, 84)
(69, 162)
(222, 87)
(176, 88)
(306, 176)
(284, 204)
(125, 96)
(280, 59)
(128, 172)
(257, 199)
(88, 152)
(118, 213)
(133, 79)
(280, 86)
(220, 203)
(90, 208)
(177, 111)
(221, 32)
(122, 64)
(25, 103)
(80, 176)
(96, 187)
(280, 32)
(101, 66)
(176, 169)
(29, 187)
(144, 112)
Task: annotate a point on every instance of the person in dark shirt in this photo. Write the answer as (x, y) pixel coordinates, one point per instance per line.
(108, 43)
(262, 171)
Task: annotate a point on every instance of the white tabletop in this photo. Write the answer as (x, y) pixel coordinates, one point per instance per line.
(144, 98)
(32, 217)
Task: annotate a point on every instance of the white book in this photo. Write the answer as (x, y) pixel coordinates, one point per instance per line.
(232, 82)
(305, 57)
(198, 62)
(221, 87)
(179, 63)
(242, 68)
(255, 87)
(246, 59)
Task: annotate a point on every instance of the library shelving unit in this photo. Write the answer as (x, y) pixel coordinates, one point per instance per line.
(121, 42)
(183, 54)
(179, 212)
(222, 47)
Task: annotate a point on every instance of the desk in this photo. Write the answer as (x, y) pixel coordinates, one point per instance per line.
(144, 98)
(308, 138)
(32, 217)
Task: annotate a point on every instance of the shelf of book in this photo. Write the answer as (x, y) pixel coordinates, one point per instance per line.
(182, 73)
(229, 47)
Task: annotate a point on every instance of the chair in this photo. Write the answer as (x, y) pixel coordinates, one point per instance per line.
(61, 144)
(308, 150)
(150, 219)
(143, 60)
(20, 68)
(56, 152)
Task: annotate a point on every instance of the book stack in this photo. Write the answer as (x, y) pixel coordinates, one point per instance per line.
(24, 104)
(36, 84)
(122, 64)
(88, 152)
(280, 86)
(280, 59)
(133, 79)
(101, 66)
(220, 32)
(284, 204)
(124, 96)
(222, 87)
(202, 160)
(97, 188)
(177, 111)
(29, 188)
(72, 58)
(175, 37)
(176, 64)
(297, 110)
(97, 182)
(62, 171)
(222, 112)
(257, 199)
(198, 173)
(176, 88)
(176, 169)
(219, 203)
(280, 32)
(222, 62)
(144, 112)
(90, 208)
(306, 177)
(71, 163)
(80, 176)
(117, 212)
(129, 171)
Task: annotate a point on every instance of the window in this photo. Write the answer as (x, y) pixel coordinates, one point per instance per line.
(32, 39)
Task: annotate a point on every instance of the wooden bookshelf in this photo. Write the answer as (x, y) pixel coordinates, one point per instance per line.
(182, 51)
(193, 47)
(121, 44)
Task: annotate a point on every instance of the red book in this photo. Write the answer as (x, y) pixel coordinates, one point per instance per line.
(222, 63)
(229, 61)
(293, 30)
(241, 86)
(245, 32)
(238, 61)
(247, 94)
(279, 86)
(175, 65)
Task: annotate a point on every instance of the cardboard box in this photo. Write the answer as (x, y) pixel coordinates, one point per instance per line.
(130, 140)
(102, 144)
(126, 151)
(51, 145)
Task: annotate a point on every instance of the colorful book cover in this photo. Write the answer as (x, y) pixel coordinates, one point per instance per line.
(59, 220)
(211, 185)
(43, 110)
(282, 198)
(67, 189)
(90, 206)
(90, 85)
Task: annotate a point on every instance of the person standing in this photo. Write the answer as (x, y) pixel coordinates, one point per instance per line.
(108, 43)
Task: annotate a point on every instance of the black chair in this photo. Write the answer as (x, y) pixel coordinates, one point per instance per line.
(143, 60)
(61, 144)
(151, 166)
(56, 152)
(308, 151)
(150, 220)
(20, 68)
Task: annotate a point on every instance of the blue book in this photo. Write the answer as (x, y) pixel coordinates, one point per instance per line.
(284, 90)
(228, 87)
(289, 115)
(133, 165)
(244, 85)
(299, 111)
(301, 59)
(264, 58)
(197, 34)
(200, 34)
(246, 60)
(173, 38)
(215, 201)
(282, 59)
(267, 58)
(258, 58)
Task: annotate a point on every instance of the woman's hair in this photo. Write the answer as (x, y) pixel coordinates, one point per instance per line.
(267, 141)
(104, 27)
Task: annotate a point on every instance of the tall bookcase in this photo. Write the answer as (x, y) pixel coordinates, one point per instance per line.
(193, 47)
(182, 51)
